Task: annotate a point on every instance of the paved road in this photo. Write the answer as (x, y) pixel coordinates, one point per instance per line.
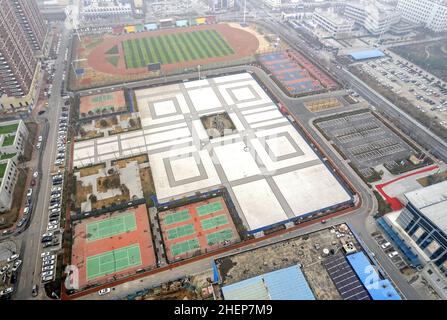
(30, 239)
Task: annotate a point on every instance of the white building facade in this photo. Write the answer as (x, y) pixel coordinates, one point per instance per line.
(337, 26)
(432, 14)
(12, 145)
(375, 17)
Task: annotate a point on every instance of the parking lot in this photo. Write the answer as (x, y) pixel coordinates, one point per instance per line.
(411, 83)
(393, 254)
(365, 139)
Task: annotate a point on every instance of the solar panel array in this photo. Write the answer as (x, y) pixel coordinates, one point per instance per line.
(345, 279)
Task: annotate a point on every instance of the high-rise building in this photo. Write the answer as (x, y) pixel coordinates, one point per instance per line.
(432, 14)
(17, 56)
(31, 22)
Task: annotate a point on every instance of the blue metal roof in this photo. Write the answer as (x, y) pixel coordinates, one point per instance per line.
(284, 284)
(378, 289)
(367, 54)
(411, 256)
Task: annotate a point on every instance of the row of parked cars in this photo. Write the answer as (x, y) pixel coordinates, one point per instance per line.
(51, 237)
(62, 138)
(48, 266)
(12, 265)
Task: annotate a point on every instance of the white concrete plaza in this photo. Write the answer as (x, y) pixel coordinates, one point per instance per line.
(270, 171)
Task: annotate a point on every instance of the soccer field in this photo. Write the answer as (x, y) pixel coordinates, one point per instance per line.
(175, 48)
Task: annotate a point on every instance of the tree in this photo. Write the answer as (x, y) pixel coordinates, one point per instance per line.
(103, 123)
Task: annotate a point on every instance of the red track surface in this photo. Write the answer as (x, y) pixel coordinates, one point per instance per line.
(243, 43)
(394, 202)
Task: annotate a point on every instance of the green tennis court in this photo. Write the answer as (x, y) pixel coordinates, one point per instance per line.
(109, 227)
(219, 236)
(176, 217)
(214, 222)
(102, 98)
(209, 208)
(113, 261)
(181, 231)
(185, 246)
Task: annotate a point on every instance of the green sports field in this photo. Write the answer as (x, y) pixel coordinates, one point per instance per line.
(113, 261)
(175, 48)
(109, 227)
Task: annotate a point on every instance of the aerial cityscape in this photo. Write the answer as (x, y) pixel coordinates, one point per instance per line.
(223, 150)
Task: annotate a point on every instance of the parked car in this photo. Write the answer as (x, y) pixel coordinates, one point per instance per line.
(35, 291)
(393, 254)
(49, 257)
(47, 273)
(385, 245)
(35, 174)
(6, 291)
(13, 257)
(21, 222)
(16, 265)
(104, 291)
(45, 254)
(52, 227)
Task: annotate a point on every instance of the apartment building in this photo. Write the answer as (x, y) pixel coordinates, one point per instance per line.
(431, 14)
(13, 137)
(17, 60)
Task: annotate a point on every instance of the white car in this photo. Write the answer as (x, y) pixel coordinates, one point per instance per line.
(40, 139)
(47, 268)
(13, 257)
(6, 291)
(35, 174)
(16, 265)
(47, 273)
(45, 254)
(104, 291)
(393, 254)
(30, 192)
(46, 279)
(385, 245)
(49, 257)
(52, 227)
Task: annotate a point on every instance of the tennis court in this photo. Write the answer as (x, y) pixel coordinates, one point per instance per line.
(181, 231)
(109, 227)
(214, 222)
(113, 261)
(209, 208)
(176, 217)
(219, 236)
(185, 246)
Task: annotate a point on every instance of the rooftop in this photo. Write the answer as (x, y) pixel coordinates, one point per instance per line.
(431, 202)
(379, 289)
(284, 284)
(366, 54)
